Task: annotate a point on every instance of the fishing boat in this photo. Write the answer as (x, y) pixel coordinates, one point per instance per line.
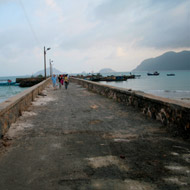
(170, 74)
(137, 76)
(8, 83)
(131, 76)
(153, 74)
(113, 78)
(93, 77)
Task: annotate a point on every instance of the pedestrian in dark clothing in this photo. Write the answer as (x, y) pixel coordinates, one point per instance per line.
(60, 81)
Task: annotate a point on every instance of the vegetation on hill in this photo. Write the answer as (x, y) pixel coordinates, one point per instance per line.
(167, 61)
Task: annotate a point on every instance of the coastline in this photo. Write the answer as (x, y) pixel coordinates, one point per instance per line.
(176, 88)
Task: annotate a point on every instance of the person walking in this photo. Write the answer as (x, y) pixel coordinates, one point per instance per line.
(60, 81)
(66, 80)
(54, 81)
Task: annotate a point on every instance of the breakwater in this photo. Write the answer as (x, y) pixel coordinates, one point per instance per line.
(173, 114)
(12, 108)
(28, 82)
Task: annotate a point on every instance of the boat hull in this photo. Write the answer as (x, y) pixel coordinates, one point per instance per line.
(153, 74)
(8, 84)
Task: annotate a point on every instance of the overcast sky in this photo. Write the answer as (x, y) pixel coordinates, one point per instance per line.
(88, 35)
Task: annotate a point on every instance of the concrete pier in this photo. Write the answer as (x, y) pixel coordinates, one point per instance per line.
(77, 139)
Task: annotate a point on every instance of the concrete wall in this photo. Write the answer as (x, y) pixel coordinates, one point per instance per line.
(172, 113)
(12, 108)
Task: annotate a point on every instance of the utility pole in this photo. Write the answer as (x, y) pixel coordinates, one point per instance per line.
(45, 60)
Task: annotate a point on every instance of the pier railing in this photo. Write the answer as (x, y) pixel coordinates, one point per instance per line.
(12, 108)
(173, 114)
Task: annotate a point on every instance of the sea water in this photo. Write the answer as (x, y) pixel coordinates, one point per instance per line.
(173, 87)
(9, 91)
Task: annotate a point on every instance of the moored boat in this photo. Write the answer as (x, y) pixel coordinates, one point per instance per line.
(153, 74)
(7, 83)
(170, 74)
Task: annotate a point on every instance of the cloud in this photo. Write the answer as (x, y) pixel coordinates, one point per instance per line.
(169, 29)
(120, 52)
(90, 34)
(55, 7)
(122, 21)
(160, 24)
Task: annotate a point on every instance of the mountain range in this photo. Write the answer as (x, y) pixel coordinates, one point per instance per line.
(106, 70)
(167, 61)
(55, 71)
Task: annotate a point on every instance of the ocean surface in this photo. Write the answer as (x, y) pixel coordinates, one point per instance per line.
(173, 87)
(9, 91)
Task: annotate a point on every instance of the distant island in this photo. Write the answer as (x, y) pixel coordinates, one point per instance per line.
(55, 71)
(167, 61)
(106, 70)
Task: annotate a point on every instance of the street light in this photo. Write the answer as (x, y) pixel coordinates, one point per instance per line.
(50, 66)
(45, 60)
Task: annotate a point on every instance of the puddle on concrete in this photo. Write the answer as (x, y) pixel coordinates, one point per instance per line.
(105, 161)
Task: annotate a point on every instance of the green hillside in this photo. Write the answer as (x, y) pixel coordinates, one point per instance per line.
(167, 61)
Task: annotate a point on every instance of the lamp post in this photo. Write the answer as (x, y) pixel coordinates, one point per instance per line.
(50, 66)
(45, 60)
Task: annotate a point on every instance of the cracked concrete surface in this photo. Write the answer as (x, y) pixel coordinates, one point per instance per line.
(76, 139)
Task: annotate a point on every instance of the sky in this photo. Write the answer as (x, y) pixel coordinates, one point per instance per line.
(89, 35)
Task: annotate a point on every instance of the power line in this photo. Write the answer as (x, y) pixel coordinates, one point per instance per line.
(29, 23)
